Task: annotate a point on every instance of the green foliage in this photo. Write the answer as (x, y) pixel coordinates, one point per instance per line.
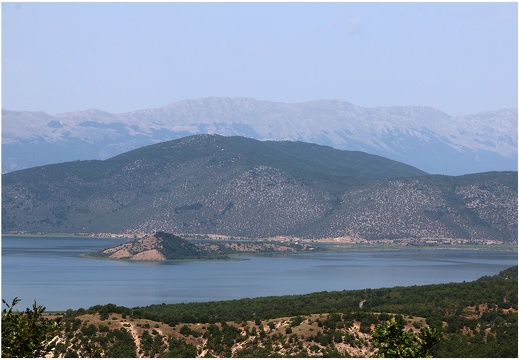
(178, 348)
(186, 331)
(297, 320)
(121, 345)
(89, 331)
(393, 341)
(174, 247)
(151, 344)
(27, 334)
(105, 310)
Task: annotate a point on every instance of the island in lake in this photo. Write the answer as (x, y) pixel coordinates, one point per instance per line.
(162, 246)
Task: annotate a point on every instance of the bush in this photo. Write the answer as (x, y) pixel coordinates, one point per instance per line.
(27, 334)
(392, 341)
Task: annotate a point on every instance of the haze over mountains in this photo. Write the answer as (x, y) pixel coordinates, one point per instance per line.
(420, 136)
(235, 186)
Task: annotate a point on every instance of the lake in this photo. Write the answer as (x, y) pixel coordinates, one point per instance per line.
(50, 271)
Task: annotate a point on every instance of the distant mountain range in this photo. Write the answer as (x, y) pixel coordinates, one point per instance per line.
(235, 186)
(420, 136)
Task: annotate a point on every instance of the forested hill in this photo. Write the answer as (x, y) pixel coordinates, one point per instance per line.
(210, 184)
(477, 319)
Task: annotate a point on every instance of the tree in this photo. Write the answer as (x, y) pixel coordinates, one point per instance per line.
(27, 334)
(393, 341)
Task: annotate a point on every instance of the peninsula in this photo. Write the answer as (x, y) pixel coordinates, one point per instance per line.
(163, 246)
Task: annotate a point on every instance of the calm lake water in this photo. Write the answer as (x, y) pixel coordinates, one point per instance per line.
(50, 271)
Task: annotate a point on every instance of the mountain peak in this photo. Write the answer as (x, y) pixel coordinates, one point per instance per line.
(90, 114)
(421, 136)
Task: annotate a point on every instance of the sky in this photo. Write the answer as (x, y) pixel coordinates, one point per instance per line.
(460, 58)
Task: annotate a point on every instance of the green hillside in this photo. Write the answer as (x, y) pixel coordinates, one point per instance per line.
(210, 184)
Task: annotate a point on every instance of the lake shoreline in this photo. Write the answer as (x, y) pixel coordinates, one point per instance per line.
(89, 256)
(325, 244)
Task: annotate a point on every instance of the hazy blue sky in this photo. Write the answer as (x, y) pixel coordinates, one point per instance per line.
(458, 57)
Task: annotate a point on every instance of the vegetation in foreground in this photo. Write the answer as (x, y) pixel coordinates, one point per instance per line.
(474, 319)
(28, 333)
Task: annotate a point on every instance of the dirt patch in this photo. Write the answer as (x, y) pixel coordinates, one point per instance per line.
(120, 254)
(149, 255)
